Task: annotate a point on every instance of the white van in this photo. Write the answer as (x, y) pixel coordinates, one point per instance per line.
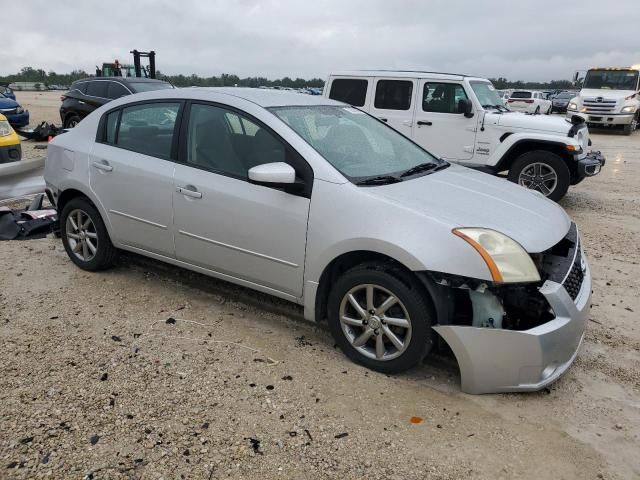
(462, 119)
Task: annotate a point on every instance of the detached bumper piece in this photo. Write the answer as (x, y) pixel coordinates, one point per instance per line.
(493, 360)
(591, 164)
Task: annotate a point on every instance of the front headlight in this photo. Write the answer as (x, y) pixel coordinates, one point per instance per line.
(5, 128)
(572, 106)
(628, 109)
(19, 109)
(507, 261)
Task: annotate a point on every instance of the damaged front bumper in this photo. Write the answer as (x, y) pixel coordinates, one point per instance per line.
(591, 164)
(495, 360)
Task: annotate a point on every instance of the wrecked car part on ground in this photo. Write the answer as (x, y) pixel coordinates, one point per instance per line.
(494, 269)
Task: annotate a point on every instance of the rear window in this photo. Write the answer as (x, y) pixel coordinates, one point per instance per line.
(393, 94)
(521, 95)
(148, 86)
(349, 90)
(97, 89)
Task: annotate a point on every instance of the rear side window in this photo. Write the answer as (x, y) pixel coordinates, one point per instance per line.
(393, 94)
(349, 90)
(111, 127)
(148, 129)
(97, 89)
(521, 95)
(116, 90)
(442, 97)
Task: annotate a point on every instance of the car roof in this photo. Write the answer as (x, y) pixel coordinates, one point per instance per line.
(122, 79)
(259, 96)
(402, 74)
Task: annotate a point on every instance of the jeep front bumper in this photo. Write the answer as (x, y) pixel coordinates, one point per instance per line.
(499, 360)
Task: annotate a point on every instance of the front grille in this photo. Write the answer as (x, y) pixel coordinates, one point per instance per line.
(562, 263)
(573, 282)
(603, 106)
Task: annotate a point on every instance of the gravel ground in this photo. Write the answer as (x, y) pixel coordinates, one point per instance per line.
(148, 371)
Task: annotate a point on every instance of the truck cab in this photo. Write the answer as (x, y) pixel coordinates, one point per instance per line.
(463, 119)
(609, 97)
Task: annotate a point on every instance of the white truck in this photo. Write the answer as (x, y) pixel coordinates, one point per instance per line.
(609, 97)
(462, 119)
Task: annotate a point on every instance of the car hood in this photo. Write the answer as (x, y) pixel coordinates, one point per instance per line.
(7, 103)
(604, 93)
(541, 123)
(461, 197)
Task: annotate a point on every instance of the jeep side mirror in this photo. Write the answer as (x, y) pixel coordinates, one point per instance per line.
(465, 106)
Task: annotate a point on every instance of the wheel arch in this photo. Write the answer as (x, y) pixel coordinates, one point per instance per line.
(65, 195)
(520, 147)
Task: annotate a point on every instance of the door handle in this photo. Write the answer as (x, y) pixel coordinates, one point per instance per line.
(189, 191)
(103, 165)
(383, 119)
(424, 122)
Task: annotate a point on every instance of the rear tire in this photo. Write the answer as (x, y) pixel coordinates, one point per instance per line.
(71, 121)
(543, 171)
(537, 111)
(389, 340)
(85, 237)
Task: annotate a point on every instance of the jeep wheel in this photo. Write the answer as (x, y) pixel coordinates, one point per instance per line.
(381, 318)
(85, 236)
(543, 171)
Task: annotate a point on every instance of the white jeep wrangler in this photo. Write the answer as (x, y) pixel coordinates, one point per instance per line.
(463, 119)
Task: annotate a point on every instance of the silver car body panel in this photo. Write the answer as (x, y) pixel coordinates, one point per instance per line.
(283, 245)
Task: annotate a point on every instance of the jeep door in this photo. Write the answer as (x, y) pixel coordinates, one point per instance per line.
(248, 233)
(393, 102)
(131, 173)
(438, 126)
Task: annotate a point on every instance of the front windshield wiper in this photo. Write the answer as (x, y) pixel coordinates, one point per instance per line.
(379, 180)
(424, 167)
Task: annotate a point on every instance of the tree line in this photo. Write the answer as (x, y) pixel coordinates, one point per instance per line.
(30, 74)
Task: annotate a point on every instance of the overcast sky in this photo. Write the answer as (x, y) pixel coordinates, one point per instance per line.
(522, 39)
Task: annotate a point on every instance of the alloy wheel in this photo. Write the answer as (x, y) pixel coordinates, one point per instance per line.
(539, 176)
(81, 235)
(375, 322)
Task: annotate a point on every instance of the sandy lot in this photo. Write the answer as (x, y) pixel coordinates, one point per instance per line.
(96, 384)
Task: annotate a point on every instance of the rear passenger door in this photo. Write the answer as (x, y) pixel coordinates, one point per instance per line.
(393, 102)
(131, 173)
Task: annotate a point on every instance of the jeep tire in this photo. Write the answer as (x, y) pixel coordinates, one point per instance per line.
(542, 171)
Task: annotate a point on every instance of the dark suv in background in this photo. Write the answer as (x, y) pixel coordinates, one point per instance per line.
(88, 94)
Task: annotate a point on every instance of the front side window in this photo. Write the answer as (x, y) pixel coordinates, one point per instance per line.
(393, 94)
(442, 97)
(115, 90)
(356, 144)
(148, 128)
(226, 142)
(97, 89)
(349, 90)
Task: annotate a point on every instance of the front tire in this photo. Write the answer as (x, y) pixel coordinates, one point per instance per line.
(381, 318)
(72, 121)
(85, 237)
(543, 171)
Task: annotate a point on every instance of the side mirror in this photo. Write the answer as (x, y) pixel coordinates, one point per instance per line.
(465, 106)
(278, 173)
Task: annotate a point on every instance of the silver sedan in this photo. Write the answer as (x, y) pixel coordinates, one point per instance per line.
(321, 204)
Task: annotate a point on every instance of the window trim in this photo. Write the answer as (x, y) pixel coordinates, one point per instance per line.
(426, 81)
(101, 132)
(183, 140)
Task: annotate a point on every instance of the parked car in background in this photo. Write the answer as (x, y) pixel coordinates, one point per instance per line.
(462, 119)
(7, 92)
(84, 96)
(13, 111)
(561, 100)
(10, 149)
(528, 101)
(321, 204)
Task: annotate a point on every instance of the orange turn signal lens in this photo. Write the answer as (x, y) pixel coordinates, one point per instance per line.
(491, 264)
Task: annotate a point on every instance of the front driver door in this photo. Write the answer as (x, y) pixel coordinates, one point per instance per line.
(438, 126)
(131, 173)
(223, 222)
